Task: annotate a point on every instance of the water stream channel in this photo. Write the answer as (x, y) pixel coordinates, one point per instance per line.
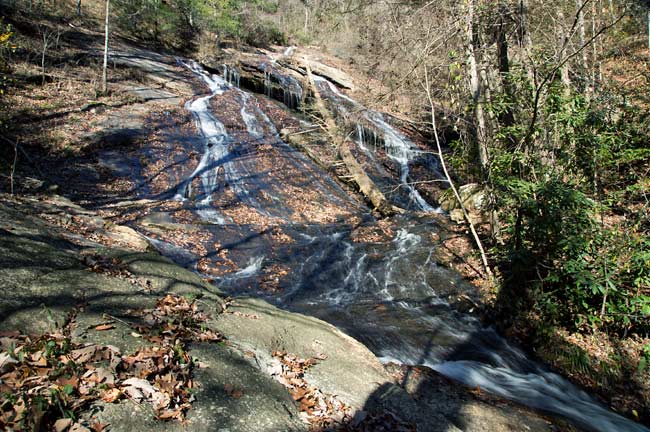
(269, 207)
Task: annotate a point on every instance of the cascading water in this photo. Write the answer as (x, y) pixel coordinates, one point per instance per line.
(218, 158)
(290, 88)
(398, 148)
(216, 147)
(231, 75)
(390, 295)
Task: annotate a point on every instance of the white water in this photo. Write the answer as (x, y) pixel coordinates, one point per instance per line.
(214, 135)
(542, 390)
(345, 277)
(398, 148)
(254, 266)
(218, 158)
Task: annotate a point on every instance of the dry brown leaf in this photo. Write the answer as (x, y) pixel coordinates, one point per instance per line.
(83, 355)
(73, 381)
(99, 427)
(299, 394)
(103, 327)
(41, 362)
(77, 427)
(5, 360)
(100, 376)
(143, 388)
(62, 424)
(111, 395)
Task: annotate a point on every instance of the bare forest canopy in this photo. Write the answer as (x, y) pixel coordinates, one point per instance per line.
(533, 102)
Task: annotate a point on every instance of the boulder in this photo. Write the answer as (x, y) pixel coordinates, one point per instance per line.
(474, 199)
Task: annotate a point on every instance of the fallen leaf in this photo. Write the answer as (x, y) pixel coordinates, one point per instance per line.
(144, 388)
(62, 424)
(83, 355)
(6, 359)
(99, 427)
(111, 395)
(133, 393)
(100, 376)
(41, 362)
(103, 327)
(73, 381)
(77, 427)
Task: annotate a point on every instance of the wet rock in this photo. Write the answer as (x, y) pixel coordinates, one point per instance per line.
(44, 277)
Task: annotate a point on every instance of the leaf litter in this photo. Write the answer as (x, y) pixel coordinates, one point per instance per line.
(47, 381)
(320, 410)
(325, 412)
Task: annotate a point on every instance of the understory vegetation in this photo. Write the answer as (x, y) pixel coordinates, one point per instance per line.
(545, 105)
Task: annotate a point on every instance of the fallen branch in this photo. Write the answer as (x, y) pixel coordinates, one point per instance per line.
(358, 175)
(477, 240)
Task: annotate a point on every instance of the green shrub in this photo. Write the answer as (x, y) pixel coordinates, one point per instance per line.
(262, 34)
(571, 250)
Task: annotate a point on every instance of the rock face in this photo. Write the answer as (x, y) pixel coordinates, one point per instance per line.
(474, 200)
(51, 255)
(47, 271)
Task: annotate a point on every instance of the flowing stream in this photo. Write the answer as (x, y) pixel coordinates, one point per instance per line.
(390, 294)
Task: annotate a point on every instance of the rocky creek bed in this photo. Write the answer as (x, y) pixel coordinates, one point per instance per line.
(318, 279)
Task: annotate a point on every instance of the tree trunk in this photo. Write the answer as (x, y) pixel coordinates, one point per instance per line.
(507, 117)
(526, 41)
(582, 35)
(365, 184)
(562, 42)
(476, 91)
(477, 240)
(105, 67)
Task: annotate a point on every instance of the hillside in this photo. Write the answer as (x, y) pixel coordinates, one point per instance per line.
(334, 282)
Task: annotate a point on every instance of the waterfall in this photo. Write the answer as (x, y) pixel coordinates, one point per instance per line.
(397, 147)
(289, 86)
(231, 75)
(390, 294)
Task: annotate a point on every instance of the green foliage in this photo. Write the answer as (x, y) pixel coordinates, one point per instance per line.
(6, 48)
(644, 362)
(175, 23)
(559, 255)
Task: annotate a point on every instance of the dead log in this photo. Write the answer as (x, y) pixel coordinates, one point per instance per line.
(301, 142)
(365, 184)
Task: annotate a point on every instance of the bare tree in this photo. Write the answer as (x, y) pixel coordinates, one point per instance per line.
(476, 87)
(477, 240)
(50, 37)
(105, 66)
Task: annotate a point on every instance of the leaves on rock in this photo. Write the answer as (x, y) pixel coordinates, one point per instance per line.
(47, 381)
(319, 409)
